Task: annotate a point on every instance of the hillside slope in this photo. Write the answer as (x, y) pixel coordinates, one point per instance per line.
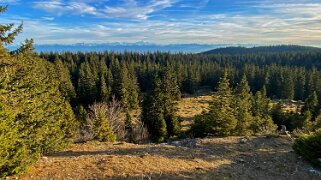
(261, 49)
(212, 158)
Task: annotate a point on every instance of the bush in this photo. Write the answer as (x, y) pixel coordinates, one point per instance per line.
(309, 146)
(105, 122)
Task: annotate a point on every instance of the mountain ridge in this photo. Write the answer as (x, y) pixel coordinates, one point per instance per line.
(239, 50)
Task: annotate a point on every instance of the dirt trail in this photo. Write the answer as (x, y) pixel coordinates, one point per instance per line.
(212, 158)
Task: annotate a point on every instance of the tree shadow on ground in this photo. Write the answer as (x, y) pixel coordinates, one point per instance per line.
(257, 158)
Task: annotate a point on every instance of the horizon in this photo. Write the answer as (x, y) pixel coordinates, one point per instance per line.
(167, 22)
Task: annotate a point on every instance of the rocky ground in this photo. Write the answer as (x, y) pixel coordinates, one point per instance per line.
(212, 158)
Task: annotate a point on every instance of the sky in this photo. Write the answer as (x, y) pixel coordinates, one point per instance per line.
(266, 22)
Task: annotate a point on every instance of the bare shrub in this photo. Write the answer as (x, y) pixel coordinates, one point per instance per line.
(139, 133)
(112, 112)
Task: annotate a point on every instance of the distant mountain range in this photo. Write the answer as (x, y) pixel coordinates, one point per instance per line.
(135, 47)
(261, 49)
(225, 49)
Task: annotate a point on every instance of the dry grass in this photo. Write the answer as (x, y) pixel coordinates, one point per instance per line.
(213, 158)
(189, 107)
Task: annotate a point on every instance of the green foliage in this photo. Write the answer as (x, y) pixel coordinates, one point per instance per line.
(309, 146)
(153, 112)
(242, 108)
(125, 87)
(311, 104)
(87, 90)
(66, 88)
(34, 117)
(307, 124)
(220, 120)
(7, 35)
(103, 130)
(260, 109)
(104, 91)
(129, 127)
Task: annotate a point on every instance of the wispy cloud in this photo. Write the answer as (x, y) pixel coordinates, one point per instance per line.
(127, 9)
(132, 9)
(60, 7)
(257, 22)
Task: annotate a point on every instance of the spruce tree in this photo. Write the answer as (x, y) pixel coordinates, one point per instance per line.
(35, 118)
(103, 90)
(220, 120)
(262, 122)
(243, 107)
(87, 89)
(104, 131)
(171, 93)
(65, 85)
(311, 104)
(153, 112)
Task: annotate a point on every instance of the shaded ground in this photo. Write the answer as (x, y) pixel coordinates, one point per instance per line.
(213, 158)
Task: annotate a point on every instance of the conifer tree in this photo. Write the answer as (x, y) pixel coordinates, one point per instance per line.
(104, 131)
(129, 126)
(262, 122)
(220, 120)
(65, 86)
(87, 89)
(34, 117)
(311, 104)
(153, 112)
(171, 93)
(243, 107)
(103, 90)
(307, 124)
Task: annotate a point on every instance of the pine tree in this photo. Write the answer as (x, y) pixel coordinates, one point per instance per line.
(34, 117)
(153, 113)
(220, 120)
(129, 126)
(260, 109)
(103, 90)
(307, 124)
(242, 107)
(311, 104)
(43, 119)
(87, 89)
(171, 92)
(65, 86)
(104, 131)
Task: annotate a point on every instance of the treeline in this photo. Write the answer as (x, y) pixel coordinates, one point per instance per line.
(96, 76)
(262, 49)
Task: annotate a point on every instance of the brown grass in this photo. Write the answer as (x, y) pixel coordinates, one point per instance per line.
(213, 158)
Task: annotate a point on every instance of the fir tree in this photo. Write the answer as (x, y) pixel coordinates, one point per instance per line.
(65, 86)
(87, 89)
(34, 115)
(153, 113)
(220, 120)
(103, 90)
(243, 107)
(311, 104)
(261, 112)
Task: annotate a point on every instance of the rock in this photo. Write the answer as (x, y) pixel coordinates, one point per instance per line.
(243, 141)
(240, 160)
(313, 171)
(191, 143)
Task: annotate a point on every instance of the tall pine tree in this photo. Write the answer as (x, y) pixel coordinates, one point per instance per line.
(243, 107)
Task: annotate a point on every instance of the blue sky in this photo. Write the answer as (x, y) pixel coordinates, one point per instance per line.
(167, 21)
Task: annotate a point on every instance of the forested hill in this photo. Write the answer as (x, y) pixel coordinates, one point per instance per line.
(261, 49)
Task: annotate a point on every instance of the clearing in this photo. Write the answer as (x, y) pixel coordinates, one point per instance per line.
(212, 158)
(258, 157)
